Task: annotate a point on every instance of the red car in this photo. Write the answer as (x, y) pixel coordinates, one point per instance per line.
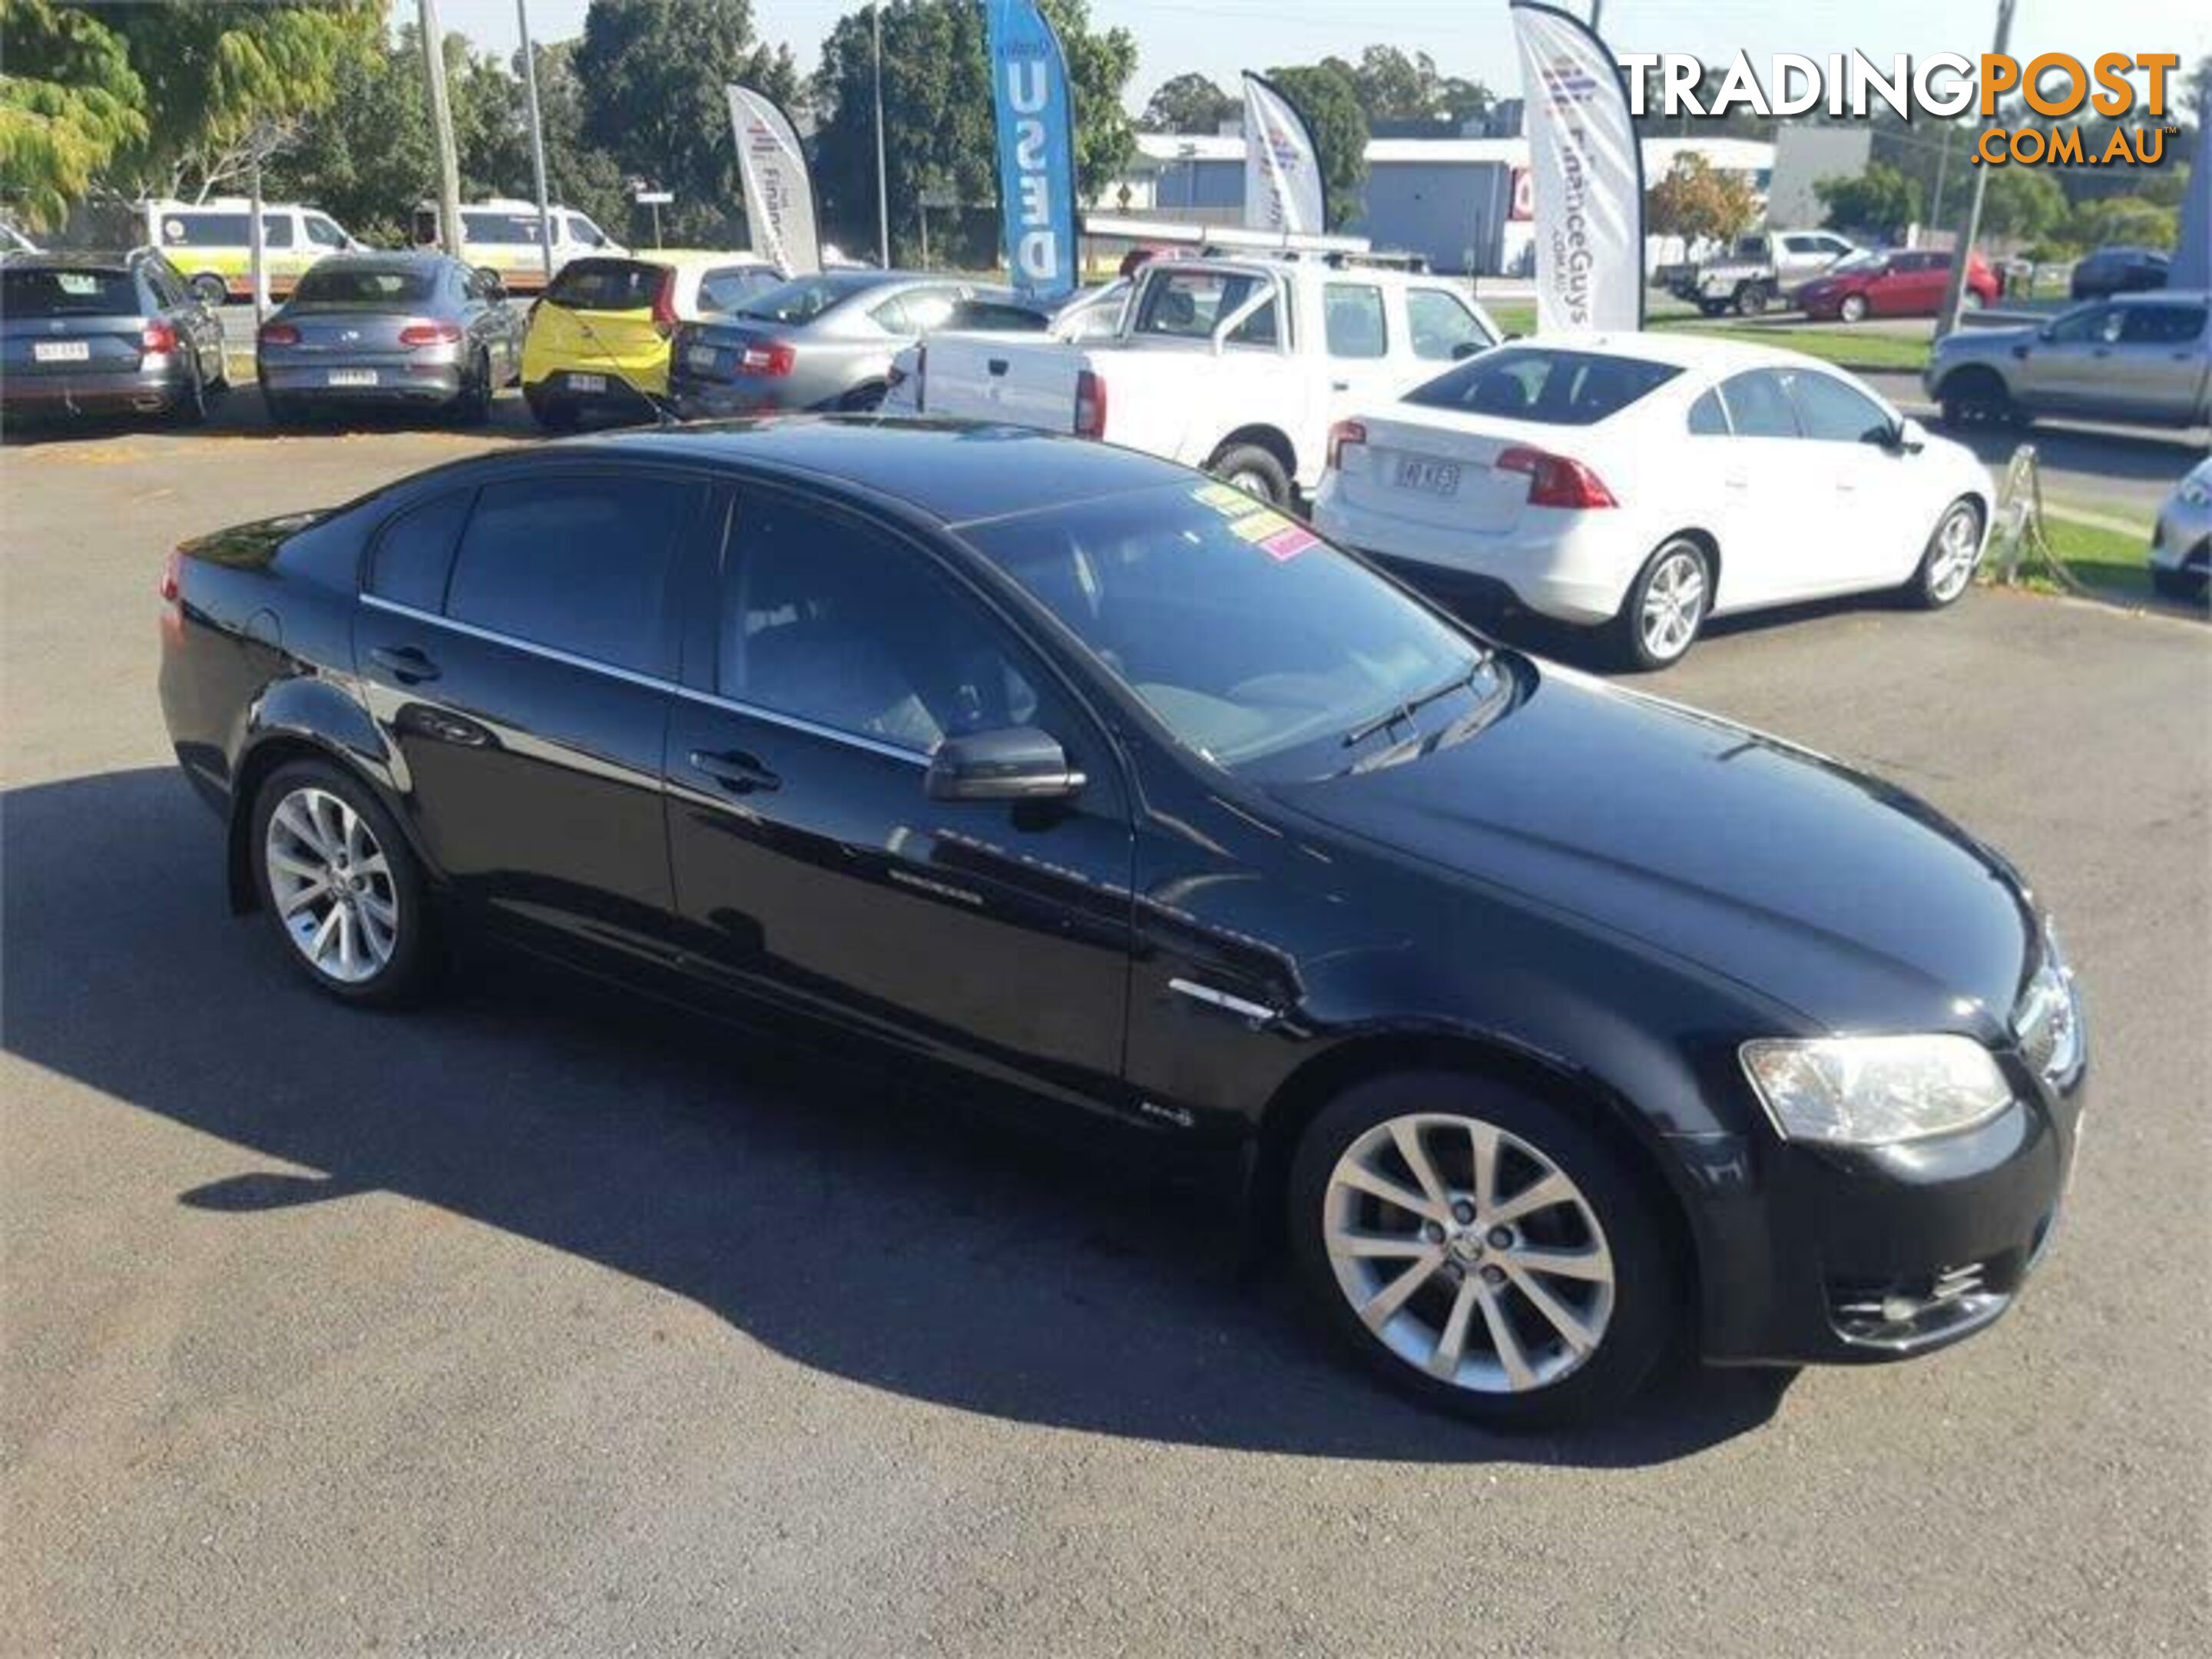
(1905, 282)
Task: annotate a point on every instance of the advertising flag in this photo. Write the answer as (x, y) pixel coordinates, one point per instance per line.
(1036, 147)
(1588, 172)
(779, 193)
(1282, 167)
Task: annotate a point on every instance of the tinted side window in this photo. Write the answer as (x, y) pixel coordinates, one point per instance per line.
(324, 233)
(1759, 405)
(2160, 324)
(414, 551)
(275, 230)
(832, 622)
(1352, 317)
(578, 563)
(1707, 418)
(197, 229)
(1836, 413)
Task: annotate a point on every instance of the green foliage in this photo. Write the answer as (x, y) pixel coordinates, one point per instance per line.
(1393, 86)
(69, 101)
(2022, 203)
(1882, 201)
(651, 74)
(2124, 219)
(1327, 97)
(1188, 103)
(939, 133)
(1695, 200)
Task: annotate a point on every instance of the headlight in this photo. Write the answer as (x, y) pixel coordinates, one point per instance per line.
(2048, 1025)
(1875, 1091)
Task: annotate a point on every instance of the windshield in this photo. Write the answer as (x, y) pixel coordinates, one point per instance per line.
(803, 299)
(1257, 644)
(49, 292)
(364, 285)
(1549, 387)
(1869, 263)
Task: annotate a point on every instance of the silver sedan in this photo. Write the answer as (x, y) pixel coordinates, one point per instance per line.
(2181, 549)
(409, 330)
(818, 342)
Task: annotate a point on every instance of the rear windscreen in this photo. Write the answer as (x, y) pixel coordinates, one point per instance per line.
(606, 285)
(355, 286)
(50, 292)
(1552, 388)
(804, 299)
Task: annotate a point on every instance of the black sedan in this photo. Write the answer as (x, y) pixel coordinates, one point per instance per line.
(1545, 1023)
(2111, 271)
(96, 334)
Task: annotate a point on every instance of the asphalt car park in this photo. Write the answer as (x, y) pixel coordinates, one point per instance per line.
(545, 1321)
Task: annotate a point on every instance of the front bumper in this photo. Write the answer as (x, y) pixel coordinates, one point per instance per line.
(96, 392)
(2183, 540)
(1825, 1257)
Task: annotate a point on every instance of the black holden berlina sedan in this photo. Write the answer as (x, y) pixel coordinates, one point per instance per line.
(1547, 1025)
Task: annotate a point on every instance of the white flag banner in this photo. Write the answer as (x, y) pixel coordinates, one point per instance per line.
(1282, 169)
(1588, 172)
(779, 193)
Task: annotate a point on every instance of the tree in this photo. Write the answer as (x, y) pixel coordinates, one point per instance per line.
(577, 173)
(1394, 86)
(69, 101)
(1880, 202)
(1695, 200)
(115, 97)
(2022, 204)
(938, 132)
(1327, 96)
(651, 74)
(1188, 103)
(2124, 219)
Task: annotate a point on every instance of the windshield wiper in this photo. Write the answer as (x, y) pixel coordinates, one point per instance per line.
(1404, 711)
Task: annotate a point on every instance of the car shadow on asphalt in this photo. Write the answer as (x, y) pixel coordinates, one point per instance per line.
(241, 413)
(847, 1221)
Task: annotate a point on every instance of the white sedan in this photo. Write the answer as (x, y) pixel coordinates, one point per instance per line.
(1647, 482)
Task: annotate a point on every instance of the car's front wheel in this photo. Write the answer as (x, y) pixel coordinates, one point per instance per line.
(1482, 1248)
(341, 886)
(1947, 565)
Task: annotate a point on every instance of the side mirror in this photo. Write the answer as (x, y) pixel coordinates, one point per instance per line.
(1466, 349)
(1907, 437)
(1017, 764)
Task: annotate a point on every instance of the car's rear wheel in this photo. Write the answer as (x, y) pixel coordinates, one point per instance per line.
(1253, 470)
(211, 288)
(341, 886)
(192, 402)
(1666, 608)
(473, 407)
(1946, 567)
(1483, 1248)
(1752, 299)
(1852, 308)
(1974, 393)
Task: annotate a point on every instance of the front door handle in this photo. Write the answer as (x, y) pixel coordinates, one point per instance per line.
(409, 664)
(735, 770)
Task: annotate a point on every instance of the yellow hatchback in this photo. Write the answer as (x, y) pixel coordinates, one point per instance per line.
(599, 335)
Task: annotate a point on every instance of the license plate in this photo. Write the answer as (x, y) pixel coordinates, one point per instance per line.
(587, 383)
(701, 356)
(62, 351)
(1432, 477)
(352, 377)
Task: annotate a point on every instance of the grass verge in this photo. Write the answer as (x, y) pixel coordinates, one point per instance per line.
(2112, 563)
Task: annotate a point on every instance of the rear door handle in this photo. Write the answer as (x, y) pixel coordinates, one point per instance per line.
(735, 770)
(408, 663)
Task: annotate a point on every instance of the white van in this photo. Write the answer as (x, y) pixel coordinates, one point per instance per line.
(500, 238)
(211, 242)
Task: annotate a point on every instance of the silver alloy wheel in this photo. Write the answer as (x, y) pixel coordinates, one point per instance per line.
(1673, 605)
(1438, 1223)
(1253, 483)
(331, 885)
(1958, 549)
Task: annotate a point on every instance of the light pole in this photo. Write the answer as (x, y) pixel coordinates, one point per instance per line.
(441, 119)
(1954, 290)
(537, 138)
(883, 180)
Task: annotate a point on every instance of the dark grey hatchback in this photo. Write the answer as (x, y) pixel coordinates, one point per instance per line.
(1549, 1027)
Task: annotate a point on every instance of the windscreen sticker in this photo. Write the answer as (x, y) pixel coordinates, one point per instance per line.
(1258, 526)
(1287, 543)
(1227, 499)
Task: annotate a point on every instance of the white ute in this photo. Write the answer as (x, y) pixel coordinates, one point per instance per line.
(1239, 366)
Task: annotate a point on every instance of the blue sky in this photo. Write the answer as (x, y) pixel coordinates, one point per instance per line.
(1473, 38)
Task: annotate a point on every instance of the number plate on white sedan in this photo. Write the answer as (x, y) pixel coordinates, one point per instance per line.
(352, 377)
(1433, 478)
(587, 383)
(62, 351)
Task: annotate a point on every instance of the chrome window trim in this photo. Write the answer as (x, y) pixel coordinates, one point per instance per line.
(651, 683)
